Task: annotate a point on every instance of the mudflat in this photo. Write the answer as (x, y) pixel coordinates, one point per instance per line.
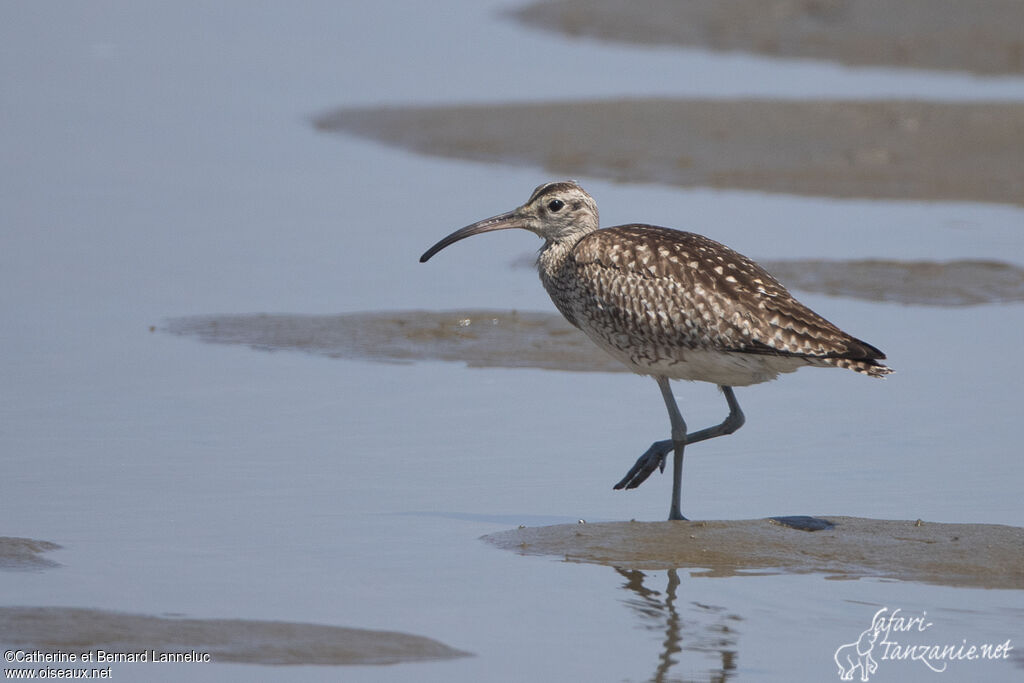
(982, 36)
(871, 149)
(974, 555)
(144, 638)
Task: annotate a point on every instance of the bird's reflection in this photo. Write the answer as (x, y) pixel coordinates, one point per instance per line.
(703, 629)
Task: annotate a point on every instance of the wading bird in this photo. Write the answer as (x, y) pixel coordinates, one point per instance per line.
(673, 305)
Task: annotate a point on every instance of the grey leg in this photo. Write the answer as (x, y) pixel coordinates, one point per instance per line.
(654, 458)
(678, 445)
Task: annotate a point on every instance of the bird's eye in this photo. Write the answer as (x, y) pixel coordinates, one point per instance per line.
(556, 205)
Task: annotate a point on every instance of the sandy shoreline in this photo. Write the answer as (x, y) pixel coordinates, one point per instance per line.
(880, 149)
(20, 554)
(975, 555)
(276, 643)
(983, 36)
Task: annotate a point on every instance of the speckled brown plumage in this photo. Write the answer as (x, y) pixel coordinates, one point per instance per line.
(674, 305)
(682, 305)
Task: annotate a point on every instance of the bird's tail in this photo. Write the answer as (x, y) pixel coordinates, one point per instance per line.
(871, 368)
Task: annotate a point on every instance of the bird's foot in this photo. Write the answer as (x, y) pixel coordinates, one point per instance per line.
(653, 459)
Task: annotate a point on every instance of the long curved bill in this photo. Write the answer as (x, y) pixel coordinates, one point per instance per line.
(502, 222)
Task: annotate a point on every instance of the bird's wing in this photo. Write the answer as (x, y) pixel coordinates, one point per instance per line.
(687, 290)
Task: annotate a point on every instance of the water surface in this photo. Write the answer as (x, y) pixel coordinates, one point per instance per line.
(162, 166)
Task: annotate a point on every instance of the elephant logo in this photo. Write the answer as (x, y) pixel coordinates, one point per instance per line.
(857, 655)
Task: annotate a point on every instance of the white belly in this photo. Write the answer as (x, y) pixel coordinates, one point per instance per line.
(717, 367)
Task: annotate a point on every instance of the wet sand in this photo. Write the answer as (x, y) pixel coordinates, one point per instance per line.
(983, 36)
(24, 553)
(545, 340)
(225, 640)
(919, 283)
(479, 338)
(970, 555)
(922, 283)
(864, 149)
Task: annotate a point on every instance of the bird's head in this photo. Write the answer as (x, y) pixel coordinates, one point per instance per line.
(558, 212)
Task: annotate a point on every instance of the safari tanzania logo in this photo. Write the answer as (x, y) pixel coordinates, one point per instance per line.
(897, 637)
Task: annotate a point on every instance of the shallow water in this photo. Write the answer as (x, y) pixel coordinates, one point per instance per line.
(162, 165)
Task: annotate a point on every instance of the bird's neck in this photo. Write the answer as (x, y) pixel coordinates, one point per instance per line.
(554, 265)
(553, 256)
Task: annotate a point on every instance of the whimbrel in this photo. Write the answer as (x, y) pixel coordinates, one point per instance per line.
(673, 305)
